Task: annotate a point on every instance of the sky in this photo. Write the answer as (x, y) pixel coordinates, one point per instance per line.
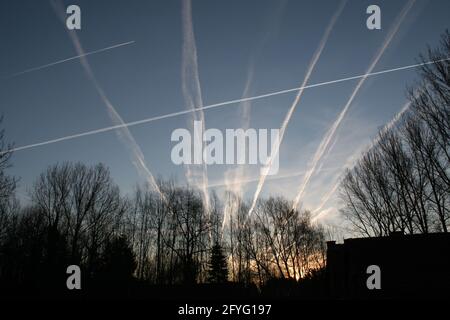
(169, 56)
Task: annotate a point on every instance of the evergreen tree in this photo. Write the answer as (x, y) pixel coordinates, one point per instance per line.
(218, 269)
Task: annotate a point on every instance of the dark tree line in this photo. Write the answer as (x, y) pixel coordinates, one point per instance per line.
(74, 218)
(77, 215)
(176, 240)
(402, 183)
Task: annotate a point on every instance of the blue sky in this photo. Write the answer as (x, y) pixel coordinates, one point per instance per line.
(266, 45)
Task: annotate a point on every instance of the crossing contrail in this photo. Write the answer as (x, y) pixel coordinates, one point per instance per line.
(275, 148)
(236, 177)
(217, 105)
(330, 133)
(123, 132)
(190, 81)
(51, 64)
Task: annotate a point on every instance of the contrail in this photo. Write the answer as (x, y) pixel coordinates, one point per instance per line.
(351, 161)
(68, 59)
(124, 133)
(229, 184)
(392, 122)
(217, 105)
(348, 163)
(192, 93)
(353, 158)
(330, 133)
(236, 177)
(275, 148)
(321, 215)
(238, 173)
(324, 200)
(233, 176)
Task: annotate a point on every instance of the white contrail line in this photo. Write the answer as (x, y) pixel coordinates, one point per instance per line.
(216, 105)
(68, 59)
(330, 133)
(276, 147)
(192, 93)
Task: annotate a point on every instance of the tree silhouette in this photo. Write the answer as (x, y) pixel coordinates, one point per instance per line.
(218, 270)
(402, 182)
(8, 202)
(77, 215)
(118, 260)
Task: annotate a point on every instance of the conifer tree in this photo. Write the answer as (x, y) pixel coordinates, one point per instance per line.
(218, 269)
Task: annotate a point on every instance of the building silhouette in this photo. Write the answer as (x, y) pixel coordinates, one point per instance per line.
(411, 266)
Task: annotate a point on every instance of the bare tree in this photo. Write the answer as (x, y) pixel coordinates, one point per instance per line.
(402, 182)
(81, 203)
(289, 245)
(9, 205)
